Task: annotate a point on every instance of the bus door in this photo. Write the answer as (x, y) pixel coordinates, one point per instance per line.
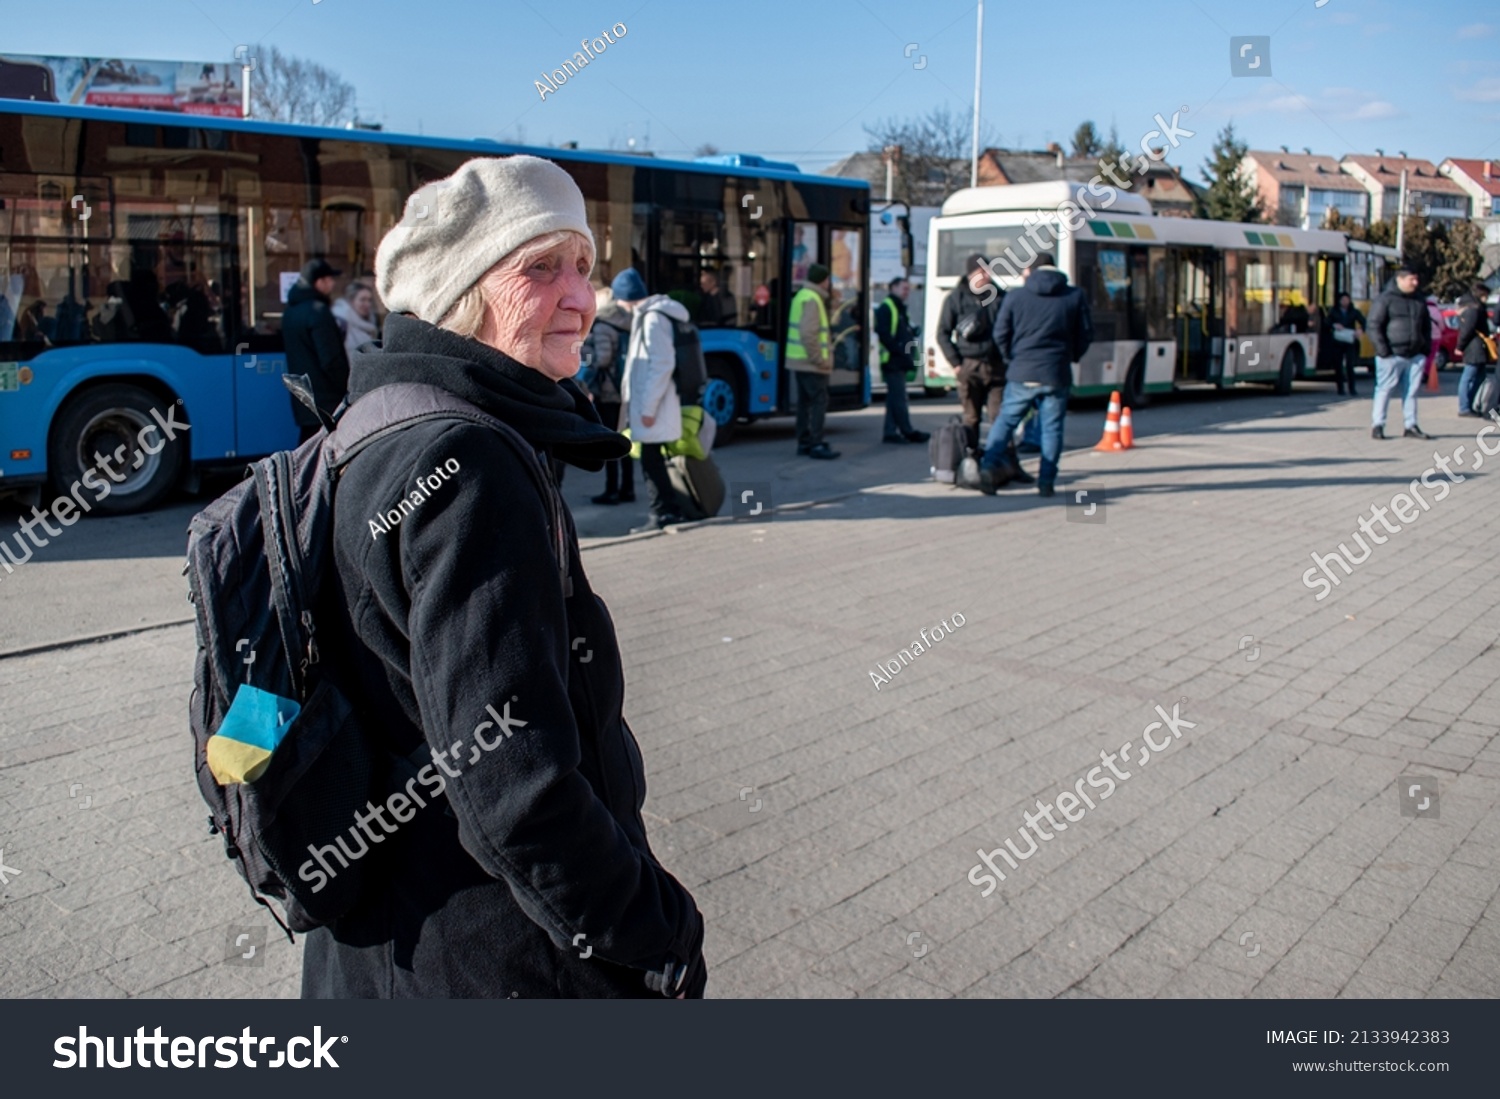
(847, 318)
(841, 250)
(1193, 312)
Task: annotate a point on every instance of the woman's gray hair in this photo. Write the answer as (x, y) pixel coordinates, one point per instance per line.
(466, 318)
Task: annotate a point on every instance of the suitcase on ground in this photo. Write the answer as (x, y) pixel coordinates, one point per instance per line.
(947, 448)
(698, 485)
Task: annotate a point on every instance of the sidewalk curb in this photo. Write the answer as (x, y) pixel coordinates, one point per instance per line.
(91, 638)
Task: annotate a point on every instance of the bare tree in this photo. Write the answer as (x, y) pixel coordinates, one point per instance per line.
(288, 89)
(934, 153)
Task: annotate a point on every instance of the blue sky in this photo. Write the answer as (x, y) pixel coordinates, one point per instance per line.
(797, 80)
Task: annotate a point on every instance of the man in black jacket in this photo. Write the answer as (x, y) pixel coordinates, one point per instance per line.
(963, 336)
(1473, 322)
(1401, 330)
(315, 343)
(897, 343)
(1043, 329)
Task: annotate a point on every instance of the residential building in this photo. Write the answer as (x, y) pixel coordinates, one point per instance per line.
(1298, 189)
(1429, 194)
(1481, 179)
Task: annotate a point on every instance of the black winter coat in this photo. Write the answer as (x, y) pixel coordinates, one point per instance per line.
(960, 304)
(1400, 324)
(1043, 329)
(315, 347)
(900, 344)
(435, 628)
(1473, 319)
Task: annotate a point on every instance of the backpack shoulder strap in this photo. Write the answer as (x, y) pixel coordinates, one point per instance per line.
(393, 408)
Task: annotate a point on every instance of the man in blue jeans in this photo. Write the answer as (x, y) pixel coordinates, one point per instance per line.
(1401, 330)
(1042, 330)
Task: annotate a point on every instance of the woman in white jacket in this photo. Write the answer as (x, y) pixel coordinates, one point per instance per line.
(355, 312)
(649, 389)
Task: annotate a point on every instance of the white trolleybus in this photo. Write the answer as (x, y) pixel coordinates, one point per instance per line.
(1175, 301)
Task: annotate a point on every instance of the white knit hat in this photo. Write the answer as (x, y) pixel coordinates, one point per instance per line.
(456, 229)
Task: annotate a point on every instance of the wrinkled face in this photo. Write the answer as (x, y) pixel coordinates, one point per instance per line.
(364, 303)
(1406, 283)
(539, 312)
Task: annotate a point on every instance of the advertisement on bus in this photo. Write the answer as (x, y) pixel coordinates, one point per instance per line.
(187, 87)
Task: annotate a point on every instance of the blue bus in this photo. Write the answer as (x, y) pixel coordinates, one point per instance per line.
(147, 257)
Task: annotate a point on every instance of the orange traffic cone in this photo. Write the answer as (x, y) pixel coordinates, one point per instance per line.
(1127, 433)
(1111, 437)
(1432, 375)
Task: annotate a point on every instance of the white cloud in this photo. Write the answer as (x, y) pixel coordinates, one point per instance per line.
(1376, 108)
(1476, 30)
(1334, 104)
(1484, 90)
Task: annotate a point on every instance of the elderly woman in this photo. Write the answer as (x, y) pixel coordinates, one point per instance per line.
(531, 875)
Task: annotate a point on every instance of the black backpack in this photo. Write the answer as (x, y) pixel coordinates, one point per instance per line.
(256, 558)
(691, 371)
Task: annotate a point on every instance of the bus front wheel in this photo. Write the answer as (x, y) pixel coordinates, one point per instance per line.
(110, 430)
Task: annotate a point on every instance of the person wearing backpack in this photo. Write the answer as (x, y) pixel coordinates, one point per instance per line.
(649, 375)
(459, 624)
(964, 337)
(1474, 344)
(603, 354)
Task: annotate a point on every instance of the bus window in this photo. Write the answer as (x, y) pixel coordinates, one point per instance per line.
(1008, 247)
(1257, 311)
(805, 250)
(1103, 274)
(1293, 291)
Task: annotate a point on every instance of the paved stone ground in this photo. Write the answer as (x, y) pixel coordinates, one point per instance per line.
(1263, 853)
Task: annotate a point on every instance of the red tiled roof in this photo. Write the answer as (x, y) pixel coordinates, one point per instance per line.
(1474, 169)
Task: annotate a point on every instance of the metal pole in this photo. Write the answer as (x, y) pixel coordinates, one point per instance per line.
(1401, 214)
(978, 69)
(245, 71)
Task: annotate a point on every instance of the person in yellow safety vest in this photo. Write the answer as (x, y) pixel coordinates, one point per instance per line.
(808, 359)
(898, 342)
